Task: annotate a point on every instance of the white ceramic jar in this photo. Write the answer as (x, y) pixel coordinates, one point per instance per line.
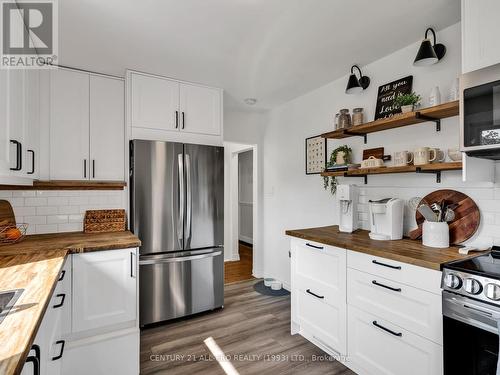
(436, 234)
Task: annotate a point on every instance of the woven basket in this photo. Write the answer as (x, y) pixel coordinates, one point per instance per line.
(102, 221)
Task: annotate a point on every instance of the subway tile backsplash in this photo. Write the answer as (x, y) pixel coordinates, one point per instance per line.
(59, 211)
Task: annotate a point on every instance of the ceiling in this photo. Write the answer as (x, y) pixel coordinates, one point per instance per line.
(272, 50)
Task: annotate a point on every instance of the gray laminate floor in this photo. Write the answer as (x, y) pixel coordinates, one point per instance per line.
(252, 330)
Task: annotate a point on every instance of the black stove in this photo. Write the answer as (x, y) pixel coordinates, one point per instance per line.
(471, 314)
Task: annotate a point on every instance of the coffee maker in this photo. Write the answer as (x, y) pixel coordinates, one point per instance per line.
(386, 219)
(347, 196)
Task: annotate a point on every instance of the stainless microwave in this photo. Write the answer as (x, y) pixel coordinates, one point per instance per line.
(481, 121)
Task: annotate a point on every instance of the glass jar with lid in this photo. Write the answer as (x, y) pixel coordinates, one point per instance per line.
(344, 119)
(357, 116)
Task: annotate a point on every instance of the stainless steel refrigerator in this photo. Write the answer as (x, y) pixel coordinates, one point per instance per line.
(177, 210)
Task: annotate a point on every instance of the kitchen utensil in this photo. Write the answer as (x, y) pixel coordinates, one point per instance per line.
(6, 213)
(435, 234)
(427, 212)
(449, 215)
(372, 162)
(467, 215)
(437, 208)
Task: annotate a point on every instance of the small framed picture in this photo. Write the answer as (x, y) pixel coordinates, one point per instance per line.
(315, 155)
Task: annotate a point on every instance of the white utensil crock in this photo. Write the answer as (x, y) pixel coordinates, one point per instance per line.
(436, 234)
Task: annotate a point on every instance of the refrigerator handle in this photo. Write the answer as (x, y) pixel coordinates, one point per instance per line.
(180, 222)
(188, 198)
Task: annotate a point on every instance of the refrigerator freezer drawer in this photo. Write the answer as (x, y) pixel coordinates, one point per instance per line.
(176, 286)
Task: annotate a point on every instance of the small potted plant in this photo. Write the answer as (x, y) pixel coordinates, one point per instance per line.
(340, 156)
(407, 102)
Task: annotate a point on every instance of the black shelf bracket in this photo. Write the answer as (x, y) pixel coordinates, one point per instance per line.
(437, 173)
(365, 138)
(428, 118)
(364, 176)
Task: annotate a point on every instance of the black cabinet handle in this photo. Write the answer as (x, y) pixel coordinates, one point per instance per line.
(93, 168)
(62, 342)
(183, 120)
(375, 282)
(399, 334)
(63, 296)
(313, 294)
(386, 265)
(314, 246)
(32, 161)
(19, 155)
(61, 277)
(36, 364)
(84, 168)
(177, 119)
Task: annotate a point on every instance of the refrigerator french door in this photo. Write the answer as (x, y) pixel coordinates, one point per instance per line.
(177, 204)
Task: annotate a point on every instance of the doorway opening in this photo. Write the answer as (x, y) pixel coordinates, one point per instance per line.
(241, 198)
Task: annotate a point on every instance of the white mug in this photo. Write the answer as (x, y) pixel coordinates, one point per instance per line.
(402, 158)
(422, 155)
(440, 155)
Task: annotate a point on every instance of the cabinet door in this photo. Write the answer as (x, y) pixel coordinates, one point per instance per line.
(378, 347)
(4, 129)
(107, 128)
(16, 120)
(200, 109)
(155, 102)
(32, 124)
(104, 289)
(69, 125)
(480, 30)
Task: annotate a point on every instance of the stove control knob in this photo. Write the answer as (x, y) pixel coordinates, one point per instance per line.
(492, 291)
(472, 286)
(452, 281)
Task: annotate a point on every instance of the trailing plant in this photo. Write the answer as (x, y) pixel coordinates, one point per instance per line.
(407, 99)
(331, 181)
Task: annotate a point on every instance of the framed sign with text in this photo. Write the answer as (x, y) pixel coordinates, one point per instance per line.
(386, 95)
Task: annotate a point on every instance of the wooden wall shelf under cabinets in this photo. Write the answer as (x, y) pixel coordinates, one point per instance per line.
(435, 168)
(434, 114)
(69, 185)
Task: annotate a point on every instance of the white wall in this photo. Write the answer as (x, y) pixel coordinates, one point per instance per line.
(245, 196)
(295, 200)
(59, 211)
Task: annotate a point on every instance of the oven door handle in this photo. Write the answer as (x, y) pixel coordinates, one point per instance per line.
(478, 309)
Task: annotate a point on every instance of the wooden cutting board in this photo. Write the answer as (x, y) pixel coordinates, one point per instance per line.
(377, 153)
(467, 215)
(6, 213)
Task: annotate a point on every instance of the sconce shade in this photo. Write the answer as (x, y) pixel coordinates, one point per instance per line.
(428, 53)
(353, 85)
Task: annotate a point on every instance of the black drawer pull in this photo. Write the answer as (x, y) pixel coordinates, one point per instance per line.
(32, 162)
(176, 119)
(19, 155)
(374, 282)
(313, 294)
(386, 265)
(63, 296)
(62, 342)
(61, 276)
(399, 334)
(314, 246)
(36, 364)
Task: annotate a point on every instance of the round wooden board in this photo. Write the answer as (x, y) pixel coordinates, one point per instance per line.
(467, 215)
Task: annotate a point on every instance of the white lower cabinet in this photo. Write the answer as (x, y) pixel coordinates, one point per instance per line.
(91, 326)
(379, 347)
(380, 316)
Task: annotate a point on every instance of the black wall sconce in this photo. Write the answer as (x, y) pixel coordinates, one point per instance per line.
(428, 53)
(355, 85)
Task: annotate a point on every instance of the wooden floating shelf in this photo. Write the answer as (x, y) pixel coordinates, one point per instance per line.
(435, 168)
(434, 114)
(69, 185)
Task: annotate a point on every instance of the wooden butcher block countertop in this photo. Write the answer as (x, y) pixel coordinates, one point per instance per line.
(405, 250)
(34, 265)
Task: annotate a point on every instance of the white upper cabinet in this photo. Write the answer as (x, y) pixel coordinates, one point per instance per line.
(32, 124)
(4, 129)
(480, 31)
(200, 109)
(170, 110)
(87, 126)
(107, 129)
(155, 102)
(69, 125)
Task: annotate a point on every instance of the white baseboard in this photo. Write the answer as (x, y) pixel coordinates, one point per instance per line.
(246, 239)
(234, 258)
